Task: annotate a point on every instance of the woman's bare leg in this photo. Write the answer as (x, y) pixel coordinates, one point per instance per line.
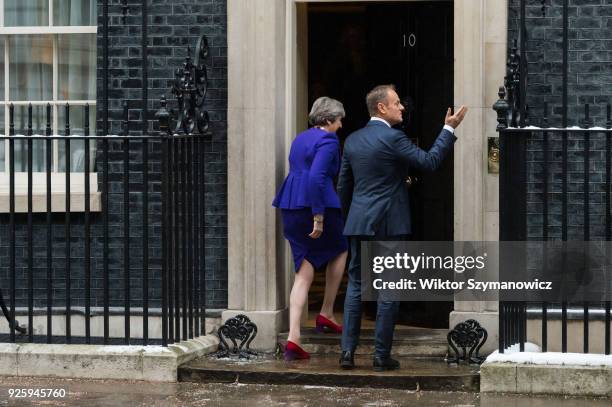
(333, 277)
(297, 299)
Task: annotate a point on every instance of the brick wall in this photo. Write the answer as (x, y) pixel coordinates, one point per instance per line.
(590, 81)
(173, 27)
(590, 57)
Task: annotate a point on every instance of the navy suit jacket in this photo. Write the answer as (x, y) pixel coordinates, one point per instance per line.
(371, 185)
(314, 161)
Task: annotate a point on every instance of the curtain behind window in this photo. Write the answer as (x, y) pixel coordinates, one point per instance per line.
(31, 75)
(74, 12)
(76, 81)
(30, 79)
(26, 13)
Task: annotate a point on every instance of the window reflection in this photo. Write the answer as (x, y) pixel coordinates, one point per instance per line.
(74, 12)
(77, 147)
(77, 67)
(31, 67)
(2, 74)
(20, 117)
(33, 77)
(21, 13)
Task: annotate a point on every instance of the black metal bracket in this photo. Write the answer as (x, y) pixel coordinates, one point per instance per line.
(7, 315)
(238, 329)
(467, 335)
(190, 88)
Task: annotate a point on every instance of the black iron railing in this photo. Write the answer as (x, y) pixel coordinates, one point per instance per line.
(138, 254)
(127, 238)
(555, 184)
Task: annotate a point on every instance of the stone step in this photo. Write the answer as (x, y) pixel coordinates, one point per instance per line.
(407, 341)
(429, 374)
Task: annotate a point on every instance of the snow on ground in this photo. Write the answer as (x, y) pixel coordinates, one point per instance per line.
(536, 128)
(534, 356)
(118, 349)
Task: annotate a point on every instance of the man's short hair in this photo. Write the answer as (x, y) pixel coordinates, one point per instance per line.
(378, 95)
(325, 110)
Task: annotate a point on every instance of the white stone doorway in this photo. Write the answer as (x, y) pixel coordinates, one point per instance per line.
(267, 95)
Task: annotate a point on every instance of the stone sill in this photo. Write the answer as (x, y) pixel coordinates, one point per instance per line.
(150, 363)
(565, 380)
(58, 202)
(58, 192)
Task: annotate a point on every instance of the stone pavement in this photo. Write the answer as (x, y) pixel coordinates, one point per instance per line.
(428, 374)
(105, 393)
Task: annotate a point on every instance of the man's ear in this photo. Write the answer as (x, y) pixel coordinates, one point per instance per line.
(381, 107)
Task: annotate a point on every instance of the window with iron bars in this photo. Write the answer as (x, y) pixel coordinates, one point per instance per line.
(47, 56)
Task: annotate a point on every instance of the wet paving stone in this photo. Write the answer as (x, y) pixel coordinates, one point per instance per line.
(415, 373)
(105, 393)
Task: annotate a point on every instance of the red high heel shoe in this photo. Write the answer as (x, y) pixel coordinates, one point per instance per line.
(293, 352)
(325, 325)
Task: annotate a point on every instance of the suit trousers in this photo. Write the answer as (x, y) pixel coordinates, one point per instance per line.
(386, 310)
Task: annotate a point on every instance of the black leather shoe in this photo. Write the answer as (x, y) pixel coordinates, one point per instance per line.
(347, 360)
(380, 365)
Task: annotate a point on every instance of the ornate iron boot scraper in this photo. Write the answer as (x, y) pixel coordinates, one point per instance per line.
(237, 329)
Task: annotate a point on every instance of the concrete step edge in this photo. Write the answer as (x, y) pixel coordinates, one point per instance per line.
(468, 382)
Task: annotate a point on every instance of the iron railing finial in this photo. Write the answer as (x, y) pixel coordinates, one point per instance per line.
(501, 107)
(190, 89)
(163, 117)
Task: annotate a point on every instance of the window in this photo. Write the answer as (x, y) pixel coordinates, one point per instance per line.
(47, 56)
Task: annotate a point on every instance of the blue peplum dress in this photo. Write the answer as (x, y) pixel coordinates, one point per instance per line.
(314, 161)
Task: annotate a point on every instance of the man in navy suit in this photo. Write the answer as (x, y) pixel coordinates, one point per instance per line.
(375, 200)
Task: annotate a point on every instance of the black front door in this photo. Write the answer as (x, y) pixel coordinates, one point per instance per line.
(356, 46)
(428, 39)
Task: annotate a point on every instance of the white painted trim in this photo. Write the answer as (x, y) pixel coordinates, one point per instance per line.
(55, 112)
(54, 69)
(55, 148)
(50, 15)
(68, 29)
(39, 179)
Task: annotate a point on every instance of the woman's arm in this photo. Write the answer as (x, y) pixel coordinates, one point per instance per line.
(318, 178)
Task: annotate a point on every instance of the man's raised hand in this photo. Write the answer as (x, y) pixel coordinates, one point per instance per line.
(454, 120)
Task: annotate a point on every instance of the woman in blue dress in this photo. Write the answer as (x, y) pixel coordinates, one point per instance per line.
(312, 219)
